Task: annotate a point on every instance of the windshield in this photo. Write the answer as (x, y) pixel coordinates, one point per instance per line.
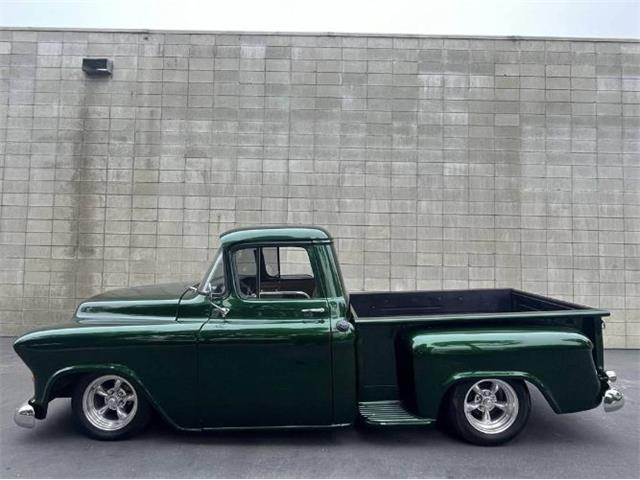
(213, 282)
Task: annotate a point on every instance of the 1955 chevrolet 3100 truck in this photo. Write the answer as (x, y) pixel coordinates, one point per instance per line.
(270, 339)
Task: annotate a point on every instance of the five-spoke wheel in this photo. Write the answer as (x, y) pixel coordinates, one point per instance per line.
(491, 406)
(109, 402)
(489, 411)
(109, 407)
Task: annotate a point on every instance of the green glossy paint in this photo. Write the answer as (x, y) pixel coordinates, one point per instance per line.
(557, 361)
(295, 362)
(146, 304)
(160, 357)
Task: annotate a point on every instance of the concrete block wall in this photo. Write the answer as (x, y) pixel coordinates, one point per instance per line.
(436, 162)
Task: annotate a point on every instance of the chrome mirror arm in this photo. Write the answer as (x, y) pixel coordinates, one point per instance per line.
(223, 311)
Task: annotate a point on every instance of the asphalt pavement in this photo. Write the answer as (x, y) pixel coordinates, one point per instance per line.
(586, 444)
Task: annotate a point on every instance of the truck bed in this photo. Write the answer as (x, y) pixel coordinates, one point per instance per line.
(384, 320)
(449, 304)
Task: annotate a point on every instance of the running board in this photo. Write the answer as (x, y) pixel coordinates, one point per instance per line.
(389, 412)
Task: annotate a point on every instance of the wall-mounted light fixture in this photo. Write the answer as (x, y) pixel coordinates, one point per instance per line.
(97, 67)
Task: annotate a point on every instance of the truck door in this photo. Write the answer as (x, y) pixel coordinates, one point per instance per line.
(268, 362)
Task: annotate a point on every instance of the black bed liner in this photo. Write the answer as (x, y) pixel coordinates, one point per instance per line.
(454, 302)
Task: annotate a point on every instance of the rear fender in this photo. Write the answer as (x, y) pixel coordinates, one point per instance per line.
(505, 375)
(557, 361)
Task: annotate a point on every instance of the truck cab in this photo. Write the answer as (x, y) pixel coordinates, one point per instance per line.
(280, 322)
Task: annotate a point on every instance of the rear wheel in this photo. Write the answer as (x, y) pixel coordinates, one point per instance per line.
(489, 411)
(108, 407)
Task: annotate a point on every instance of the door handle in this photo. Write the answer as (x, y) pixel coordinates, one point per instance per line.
(313, 310)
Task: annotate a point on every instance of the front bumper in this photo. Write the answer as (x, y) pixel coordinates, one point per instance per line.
(613, 398)
(25, 416)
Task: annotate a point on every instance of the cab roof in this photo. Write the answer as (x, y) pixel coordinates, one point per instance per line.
(274, 234)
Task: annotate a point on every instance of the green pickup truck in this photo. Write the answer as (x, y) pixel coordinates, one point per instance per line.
(271, 339)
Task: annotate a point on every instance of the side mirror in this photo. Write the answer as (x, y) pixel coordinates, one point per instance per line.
(223, 311)
(212, 297)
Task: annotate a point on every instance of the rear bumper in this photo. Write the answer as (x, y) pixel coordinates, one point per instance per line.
(25, 416)
(613, 398)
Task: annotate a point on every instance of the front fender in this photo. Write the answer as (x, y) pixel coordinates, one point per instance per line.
(160, 358)
(73, 373)
(558, 362)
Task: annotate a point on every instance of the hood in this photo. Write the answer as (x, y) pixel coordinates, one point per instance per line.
(148, 303)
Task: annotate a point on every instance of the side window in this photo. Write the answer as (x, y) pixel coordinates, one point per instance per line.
(295, 262)
(216, 281)
(271, 261)
(246, 266)
(275, 273)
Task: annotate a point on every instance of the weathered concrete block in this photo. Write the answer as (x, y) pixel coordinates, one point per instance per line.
(436, 163)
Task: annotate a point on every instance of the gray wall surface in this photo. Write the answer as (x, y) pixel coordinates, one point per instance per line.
(436, 162)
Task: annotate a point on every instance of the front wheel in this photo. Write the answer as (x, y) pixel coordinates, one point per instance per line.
(489, 411)
(108, 407)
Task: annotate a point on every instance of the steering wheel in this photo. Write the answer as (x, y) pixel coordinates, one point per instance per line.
(246, 289)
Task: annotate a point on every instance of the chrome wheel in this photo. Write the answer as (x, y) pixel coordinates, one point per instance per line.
(109, 403)
(491, 406)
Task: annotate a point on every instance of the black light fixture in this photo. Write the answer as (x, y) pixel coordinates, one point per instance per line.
(97, 67)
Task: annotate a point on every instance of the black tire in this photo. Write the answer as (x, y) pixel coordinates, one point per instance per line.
(514, 416)
(140, 414)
